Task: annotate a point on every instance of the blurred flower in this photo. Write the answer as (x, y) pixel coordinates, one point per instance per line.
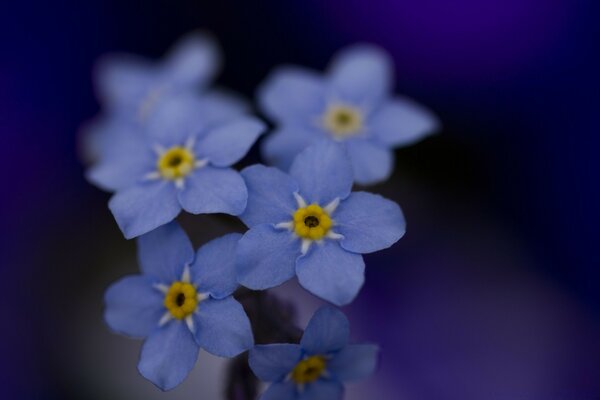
(352, 104)
(287, 214)
(181, 303)
(316, 368)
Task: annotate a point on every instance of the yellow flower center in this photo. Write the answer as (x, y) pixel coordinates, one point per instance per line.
(343, 120)
(181, 299)
(311, 222)
(176, 163)
(309, 370)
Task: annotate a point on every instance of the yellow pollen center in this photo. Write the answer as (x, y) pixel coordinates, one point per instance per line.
(176, 163)
(311, 222)
(181, 299)
(343, 120)
(309, 370)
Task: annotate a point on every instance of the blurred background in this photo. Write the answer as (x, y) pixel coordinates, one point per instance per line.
(494, 293)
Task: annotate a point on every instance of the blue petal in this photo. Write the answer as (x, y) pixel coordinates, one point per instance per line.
(371, 162)
(292, 94)
(323, 172)
(332, 273)
(282, 146)
(272, 362)
(228, 143)
(144, 207)
(270, 196)
(163, 252)
(280, 391)
(354, 362)
(222, 327)
(219, 106)
(328, 330)
(362, 74)
(168, 355)
(322, 390)
(369, 222)
(133, 306)
(213, 270)
(266, 257)
(402, 122)
(214, 190)
(193, 61)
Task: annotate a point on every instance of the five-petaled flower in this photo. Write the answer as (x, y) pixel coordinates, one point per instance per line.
(316, 368)
(181, 302)
(352, 105)
(309, 224)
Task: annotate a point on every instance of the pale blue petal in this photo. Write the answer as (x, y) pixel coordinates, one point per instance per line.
(292, 94)
(371, 162)
(213, 270)
(362, 74)
(168, 355)
(402, 122)
(272, 362)
(133, 306)
(270, 196)
(322, 390)
(222, 327)
(219, 106)
(163, 252)
(282, 146)
(144, 207)
(214, 190)
(176, 119)
(332, 273)
(354, 362)
(369, 222)
(280, 391)
(328, 330)
(323, 172)
(229, 143)
(266, 257)
(194, 60)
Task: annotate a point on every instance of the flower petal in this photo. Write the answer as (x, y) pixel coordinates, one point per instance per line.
(272, 362)
(168, 355)
(369, 222)
(144, 207)
(328, 330)
(194, 60)
(214, 268)
(292, 94)
(214, 190)
(266, 257)
(362, 74)
(332, 273)
(270, 196)
(228, 143)
(354, 362)
(402, 122)
(222, 327)
(323, 172)
(322, 390)
(371, 162)
(280, 391)
(133, 306)
(282, 146)
(163, 252)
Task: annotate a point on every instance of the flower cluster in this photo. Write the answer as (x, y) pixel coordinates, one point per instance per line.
(167, 141)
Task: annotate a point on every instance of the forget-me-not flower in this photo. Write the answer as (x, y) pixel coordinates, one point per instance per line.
(181, 302)
(309, 224)
(317, 367)
(175, 162)
(352, 104)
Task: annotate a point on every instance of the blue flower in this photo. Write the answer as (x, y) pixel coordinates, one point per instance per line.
(309, 224)
(180, 303)
(315, 369)
(352, 105)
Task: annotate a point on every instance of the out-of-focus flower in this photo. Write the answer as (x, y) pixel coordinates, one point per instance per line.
(316, 368)
(181, 302)
(352, 105)
(309, 224)
(175, 162)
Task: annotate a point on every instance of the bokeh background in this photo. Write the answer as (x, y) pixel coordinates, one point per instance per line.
(492, 294)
